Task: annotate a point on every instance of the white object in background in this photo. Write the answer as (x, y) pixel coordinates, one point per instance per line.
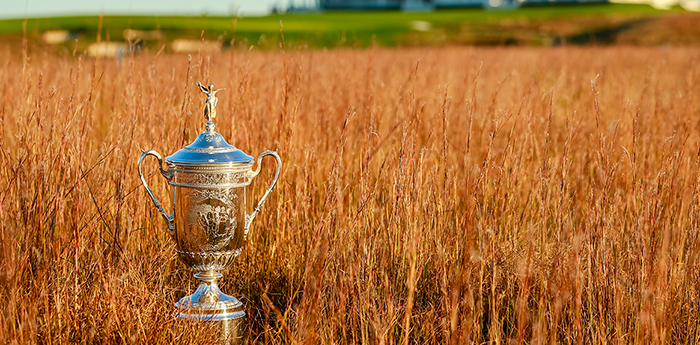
(107, 49)
(691, 5)
(420, 25)
(56, 36)
(182, 45)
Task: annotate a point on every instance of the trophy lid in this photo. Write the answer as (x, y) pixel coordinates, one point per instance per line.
(209, 148)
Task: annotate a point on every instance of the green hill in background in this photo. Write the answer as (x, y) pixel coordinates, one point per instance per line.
(540, 25)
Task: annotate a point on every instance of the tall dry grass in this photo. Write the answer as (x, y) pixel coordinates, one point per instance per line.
(444, 195)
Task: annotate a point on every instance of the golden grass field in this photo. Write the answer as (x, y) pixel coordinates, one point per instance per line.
(429, 195)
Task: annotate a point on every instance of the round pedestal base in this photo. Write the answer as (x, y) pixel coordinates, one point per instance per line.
(208, 303)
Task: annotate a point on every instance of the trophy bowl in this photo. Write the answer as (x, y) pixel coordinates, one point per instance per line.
(208, 222)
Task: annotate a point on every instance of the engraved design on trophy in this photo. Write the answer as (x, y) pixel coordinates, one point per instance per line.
(209, 223)
(217, 218)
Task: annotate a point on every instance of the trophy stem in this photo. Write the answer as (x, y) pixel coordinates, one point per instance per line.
(208, 277)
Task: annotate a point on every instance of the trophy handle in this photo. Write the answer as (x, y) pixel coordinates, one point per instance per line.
(249, 217)
(169, 218)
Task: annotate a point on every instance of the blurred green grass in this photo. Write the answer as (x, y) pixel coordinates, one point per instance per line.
(330, 29)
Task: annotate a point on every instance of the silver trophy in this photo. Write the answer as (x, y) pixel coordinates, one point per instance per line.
(208, 221)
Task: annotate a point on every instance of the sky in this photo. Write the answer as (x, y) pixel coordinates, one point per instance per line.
(47, 8)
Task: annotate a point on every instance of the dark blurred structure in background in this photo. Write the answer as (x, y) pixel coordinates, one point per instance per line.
(429, 5)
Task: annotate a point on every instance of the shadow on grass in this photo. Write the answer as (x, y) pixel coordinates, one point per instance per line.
(600, 35)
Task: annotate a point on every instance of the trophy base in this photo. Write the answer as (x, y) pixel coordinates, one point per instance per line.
(208, 303)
